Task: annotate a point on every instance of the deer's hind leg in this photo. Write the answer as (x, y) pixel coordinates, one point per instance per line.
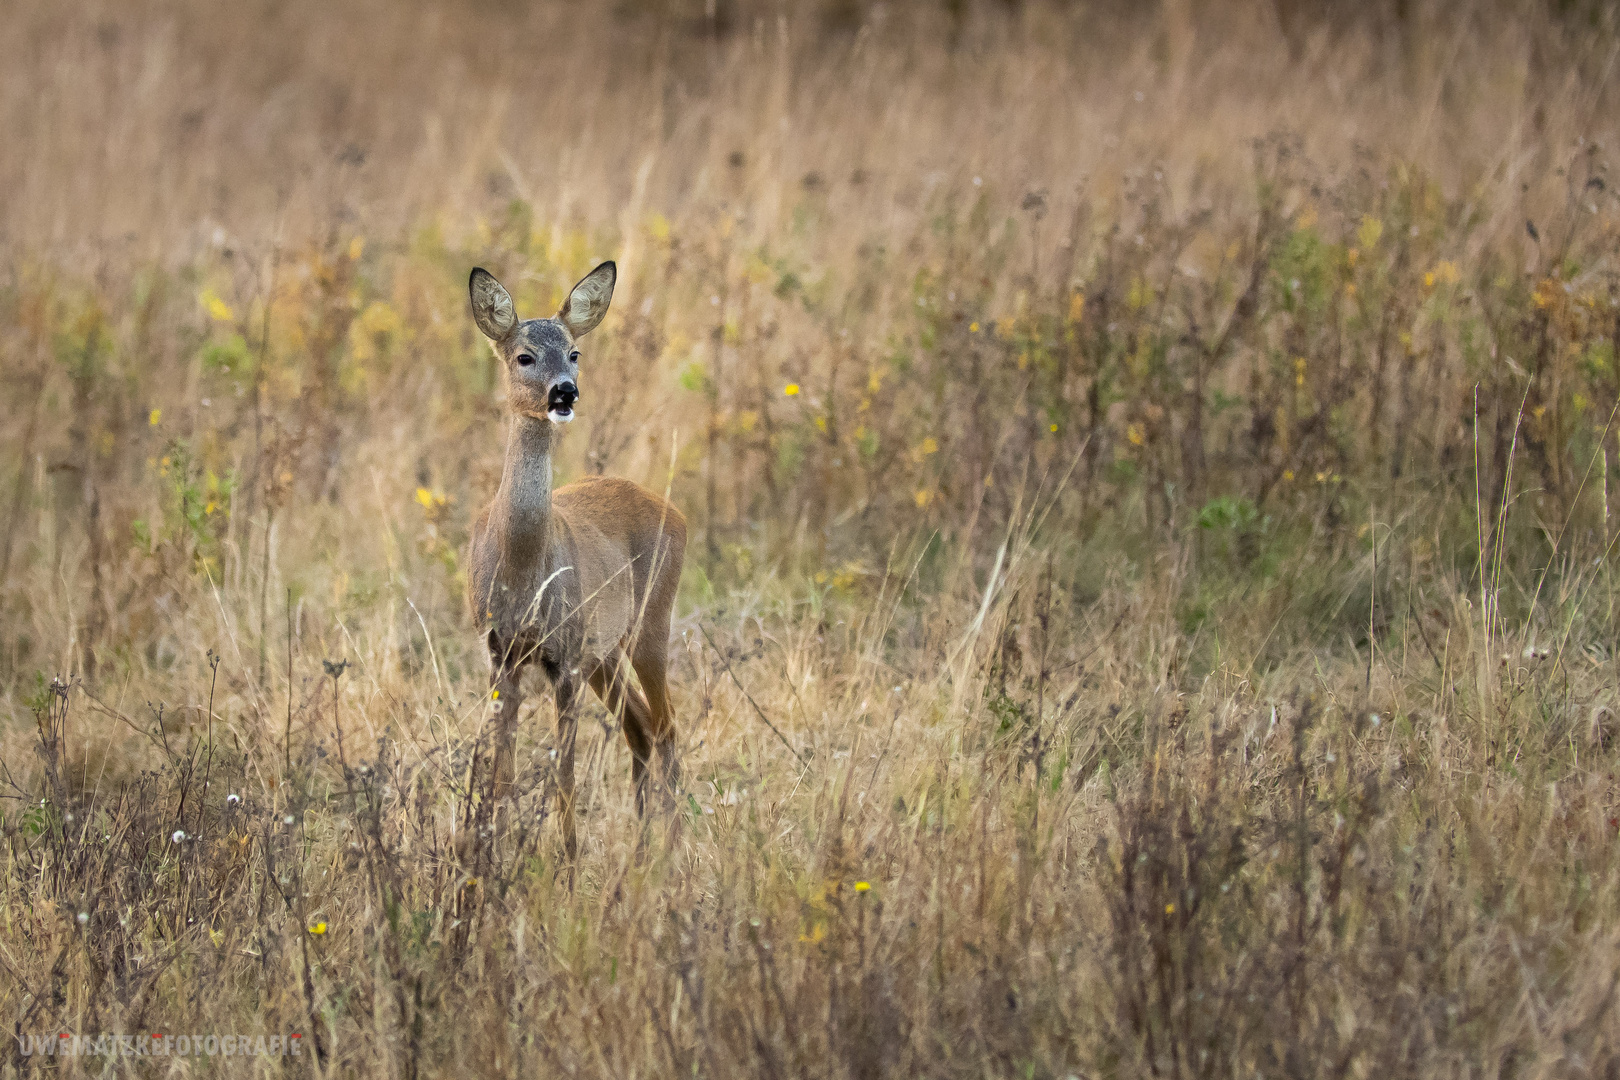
(611, 681)
(650, 659)
(567, 686)
(649, 649)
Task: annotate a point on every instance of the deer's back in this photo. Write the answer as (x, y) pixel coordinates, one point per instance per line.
(615, 521)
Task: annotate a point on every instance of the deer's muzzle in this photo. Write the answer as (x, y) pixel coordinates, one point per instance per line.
(560, 401)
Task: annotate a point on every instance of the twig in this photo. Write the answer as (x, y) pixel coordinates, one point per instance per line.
(208, 769)
(705, 631)
(287, 742)
(433, 657)
(1424, 634)
(1372, 604)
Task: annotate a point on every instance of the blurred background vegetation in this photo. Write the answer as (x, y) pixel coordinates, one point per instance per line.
(1079, 367)
(1235, 279)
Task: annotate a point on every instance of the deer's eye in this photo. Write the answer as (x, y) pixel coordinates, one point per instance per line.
(524, 360)
(574, 356)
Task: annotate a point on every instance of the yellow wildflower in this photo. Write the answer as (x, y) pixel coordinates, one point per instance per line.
(155, 418)
(791, 389)
(218, 309)
(318, 928)
(1370, 232)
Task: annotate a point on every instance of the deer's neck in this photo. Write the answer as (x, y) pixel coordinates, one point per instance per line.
(522, 511)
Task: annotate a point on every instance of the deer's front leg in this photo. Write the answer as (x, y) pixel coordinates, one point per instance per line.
(506, 693)
(567, 726)
(506, 690)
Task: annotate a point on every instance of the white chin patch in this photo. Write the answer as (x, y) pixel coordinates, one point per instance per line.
(560, 416)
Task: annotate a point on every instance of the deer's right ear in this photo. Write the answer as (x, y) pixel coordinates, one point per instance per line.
(491, 305)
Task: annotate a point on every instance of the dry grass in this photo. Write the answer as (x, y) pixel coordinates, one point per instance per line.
(1153, 471)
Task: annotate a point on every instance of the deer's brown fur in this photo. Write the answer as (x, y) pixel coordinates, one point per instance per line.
(581, 579)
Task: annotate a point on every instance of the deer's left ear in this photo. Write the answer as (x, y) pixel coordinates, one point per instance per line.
(588, 301)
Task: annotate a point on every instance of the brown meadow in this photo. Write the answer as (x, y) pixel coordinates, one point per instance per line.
(1148, 604)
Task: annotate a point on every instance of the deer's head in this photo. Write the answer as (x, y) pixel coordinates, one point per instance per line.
(541, 361)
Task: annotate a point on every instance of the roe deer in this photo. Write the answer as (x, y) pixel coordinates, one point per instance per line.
(580, 579)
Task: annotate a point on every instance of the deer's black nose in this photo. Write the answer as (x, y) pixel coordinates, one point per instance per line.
(563, 395)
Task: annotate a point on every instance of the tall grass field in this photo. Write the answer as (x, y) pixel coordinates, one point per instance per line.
(1152, 475)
